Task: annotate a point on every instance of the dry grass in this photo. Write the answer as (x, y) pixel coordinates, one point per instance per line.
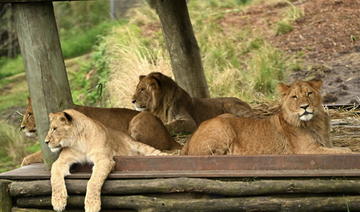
(237, 62)
(12, 142)
(128, 58)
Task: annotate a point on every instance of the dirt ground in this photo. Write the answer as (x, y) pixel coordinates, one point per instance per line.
(327, 36)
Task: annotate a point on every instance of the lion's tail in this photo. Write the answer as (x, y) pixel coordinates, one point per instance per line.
(137, 148)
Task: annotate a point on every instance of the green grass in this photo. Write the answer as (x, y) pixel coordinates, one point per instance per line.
(10, 67)
(82, 42)
(283, 27)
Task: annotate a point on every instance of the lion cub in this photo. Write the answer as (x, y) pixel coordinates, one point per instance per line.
(82, 139)
(300, 127)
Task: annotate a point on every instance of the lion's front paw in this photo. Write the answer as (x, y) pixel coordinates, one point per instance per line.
(92, 203)
(58, 199)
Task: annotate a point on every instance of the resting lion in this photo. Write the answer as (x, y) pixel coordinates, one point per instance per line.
(179, 112)
(82, 139)
(300, 127)
(143, 127)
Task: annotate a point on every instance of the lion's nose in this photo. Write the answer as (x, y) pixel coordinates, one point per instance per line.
(47, 141)
(133, 101)
(22, 127)
(304, 106)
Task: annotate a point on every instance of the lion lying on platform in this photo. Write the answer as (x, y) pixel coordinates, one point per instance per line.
(143, 127)
(179, 112)
(82, 139)
(300, 127)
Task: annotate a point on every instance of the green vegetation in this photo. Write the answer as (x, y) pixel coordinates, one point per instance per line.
(10, 67)
(88, 82)
(292, 14)
(81, 43)
(283, 27)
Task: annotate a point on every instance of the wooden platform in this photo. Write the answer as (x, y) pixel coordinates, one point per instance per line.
(347, 165)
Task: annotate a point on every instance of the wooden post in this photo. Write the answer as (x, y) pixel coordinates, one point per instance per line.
(182, 46)
(44, 64)
(5, 199)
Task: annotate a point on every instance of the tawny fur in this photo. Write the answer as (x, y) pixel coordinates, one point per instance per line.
(161, 96)
(81, 139)
(142, 126)
(300, 127)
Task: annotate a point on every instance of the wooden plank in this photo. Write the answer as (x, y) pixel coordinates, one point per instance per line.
(205, 203)
(5, 199)
(212, 167)
(15, 209)
(44, 65)
(225, 187)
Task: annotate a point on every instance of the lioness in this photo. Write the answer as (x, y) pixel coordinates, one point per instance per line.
(82, 139)
(179, 112)
(28, 122)
(300, 127)
(143, 127)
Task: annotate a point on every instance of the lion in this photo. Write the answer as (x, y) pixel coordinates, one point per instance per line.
(142, 126)
(179, 112)
(28, 125)
(301, 126)
(82, 139)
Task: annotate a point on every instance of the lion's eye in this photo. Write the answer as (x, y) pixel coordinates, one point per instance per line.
(142, 89)
(294, 97)
(309, 93)
(54, 128)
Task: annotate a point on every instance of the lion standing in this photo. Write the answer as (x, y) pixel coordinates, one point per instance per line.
(161, 96)
(300, 127)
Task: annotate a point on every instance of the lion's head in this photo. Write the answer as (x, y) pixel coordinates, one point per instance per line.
(28, 125)
(153, 90)
(301, 101)
(61, 131)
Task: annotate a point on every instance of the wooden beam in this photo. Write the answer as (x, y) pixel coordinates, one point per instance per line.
(182, 46)
(44, 65)
(189, 202)
(194, 185)
(5, 199)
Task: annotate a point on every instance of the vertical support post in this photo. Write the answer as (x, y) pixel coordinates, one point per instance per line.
(5, 199)
(182, 46)
(44, 64)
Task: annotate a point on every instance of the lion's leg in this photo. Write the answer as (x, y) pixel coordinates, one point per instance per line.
(137, 148)
(180, 126)
(334, 150)
(326, 150)
(59, 170)
(102, 167)
(36, 157)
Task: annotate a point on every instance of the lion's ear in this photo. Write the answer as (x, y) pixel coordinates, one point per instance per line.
(141, 77)
(51, 116)
(282, 88)
(68, 117)
(29, 100)
(315, 84)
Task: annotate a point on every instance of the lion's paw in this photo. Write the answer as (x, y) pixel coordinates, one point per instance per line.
(92, 203)
(59, 199)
